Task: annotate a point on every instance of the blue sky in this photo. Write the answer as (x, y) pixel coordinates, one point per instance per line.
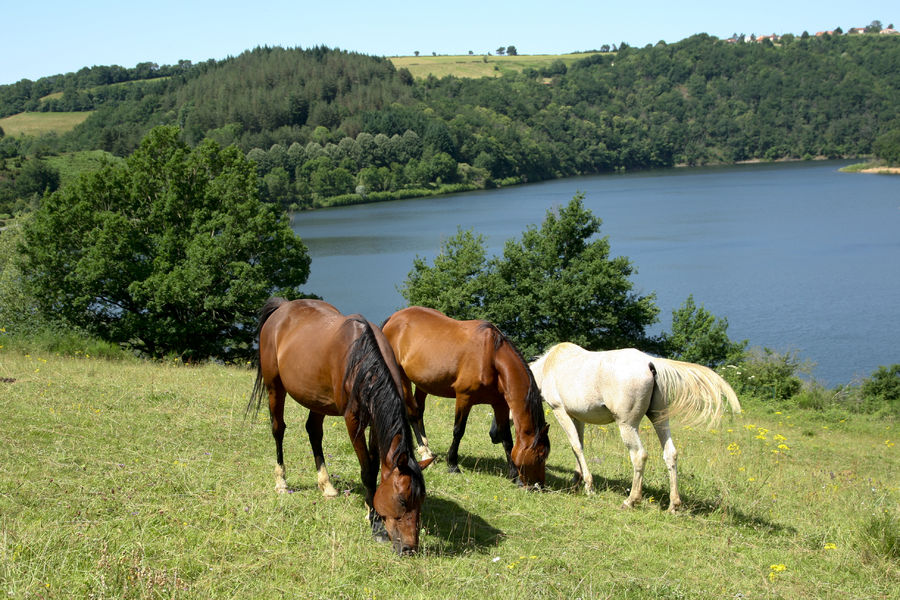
(50, 36)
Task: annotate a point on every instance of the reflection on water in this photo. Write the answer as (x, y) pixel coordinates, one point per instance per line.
(797, 256)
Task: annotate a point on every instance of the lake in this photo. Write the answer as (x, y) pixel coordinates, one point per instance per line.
(797, 256)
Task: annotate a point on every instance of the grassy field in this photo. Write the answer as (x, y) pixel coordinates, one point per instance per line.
(127, 479)
(37, 123)
(72, 164)
(478, 65)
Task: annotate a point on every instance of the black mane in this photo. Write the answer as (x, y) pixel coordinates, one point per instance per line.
(376, 400)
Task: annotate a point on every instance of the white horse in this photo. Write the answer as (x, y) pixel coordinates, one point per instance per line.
(623, 386)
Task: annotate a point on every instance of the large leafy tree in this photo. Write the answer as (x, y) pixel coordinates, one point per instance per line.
(699, 337)
(557, 283)
(172, 252)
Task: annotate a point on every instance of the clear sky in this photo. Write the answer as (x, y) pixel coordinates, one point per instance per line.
(48, 37)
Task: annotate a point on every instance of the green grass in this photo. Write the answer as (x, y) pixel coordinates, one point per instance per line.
(478, 65)
(38, 123)
(129, 479)
(72, 164)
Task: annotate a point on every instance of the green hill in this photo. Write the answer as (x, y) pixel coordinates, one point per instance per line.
(330, 126)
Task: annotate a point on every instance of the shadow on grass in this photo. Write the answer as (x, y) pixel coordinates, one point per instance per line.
(693, 505)
(454, 530)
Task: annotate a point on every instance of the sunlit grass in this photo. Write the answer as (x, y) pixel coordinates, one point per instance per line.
(477, 65)
(37, 123)
(134, 479)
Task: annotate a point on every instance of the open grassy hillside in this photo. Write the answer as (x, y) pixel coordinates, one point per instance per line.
(144, 480)
(479, 65)
(38, 123)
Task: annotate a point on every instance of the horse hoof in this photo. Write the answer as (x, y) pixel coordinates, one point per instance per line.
(453, 469)
(330, 492)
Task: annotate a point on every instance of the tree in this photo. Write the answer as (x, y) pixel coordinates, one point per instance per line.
(699, 337)
(170, 252)
(454, 284)
(887, 147)
(511, 51)
(501, 51)
(557, 283)
(36, 177)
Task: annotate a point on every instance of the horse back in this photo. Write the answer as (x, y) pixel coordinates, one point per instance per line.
(441, 355)
(304, 344)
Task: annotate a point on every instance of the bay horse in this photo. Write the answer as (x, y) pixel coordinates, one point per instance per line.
(475, 363)
(623, 386)
(337, 365)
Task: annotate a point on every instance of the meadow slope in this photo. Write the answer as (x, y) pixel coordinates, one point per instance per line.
(133, 479)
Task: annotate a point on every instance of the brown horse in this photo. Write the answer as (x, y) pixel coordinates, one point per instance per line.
(338, 365)
(475, 363)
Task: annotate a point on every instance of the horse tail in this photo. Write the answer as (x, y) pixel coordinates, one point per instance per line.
(692, 389)
(259, 388)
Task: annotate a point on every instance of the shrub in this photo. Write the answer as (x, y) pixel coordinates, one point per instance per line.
(766, 374)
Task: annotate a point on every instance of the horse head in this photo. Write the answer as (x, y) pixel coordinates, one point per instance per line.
(531, 459)
(398, 500)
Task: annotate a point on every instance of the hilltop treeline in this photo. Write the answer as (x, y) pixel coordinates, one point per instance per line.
(321, 123)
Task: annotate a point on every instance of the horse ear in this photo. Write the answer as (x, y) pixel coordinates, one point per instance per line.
(401, 460)
(425, 463)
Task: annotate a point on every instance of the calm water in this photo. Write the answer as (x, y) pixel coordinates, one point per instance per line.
(798, 256)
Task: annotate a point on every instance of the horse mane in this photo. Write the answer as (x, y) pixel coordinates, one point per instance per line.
(259, 391)
(534, 400)
(376, 400)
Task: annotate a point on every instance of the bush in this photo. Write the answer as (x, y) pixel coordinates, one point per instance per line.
(881, 391)
(766, 375)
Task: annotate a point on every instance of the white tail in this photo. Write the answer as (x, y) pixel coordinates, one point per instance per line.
(694, 390)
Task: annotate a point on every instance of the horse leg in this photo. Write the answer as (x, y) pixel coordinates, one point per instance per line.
(417, 420)
(670, 455)
(368, 471)
(459, 428)
(276, 413)
(638, 459)
(501, 433)
(575, 432)
(314, 430)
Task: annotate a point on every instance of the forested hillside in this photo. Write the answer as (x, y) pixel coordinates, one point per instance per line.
(326, 125)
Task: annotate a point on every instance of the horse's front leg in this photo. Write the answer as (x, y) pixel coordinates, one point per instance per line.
(463, 406)
(417, 420)
(575, 432)
(500, 433)
(632, 441)
(314, 430)
(368, 471)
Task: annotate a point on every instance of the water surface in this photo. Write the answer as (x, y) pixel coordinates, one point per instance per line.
(797, 256)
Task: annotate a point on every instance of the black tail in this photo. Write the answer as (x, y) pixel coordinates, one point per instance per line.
(259, 389)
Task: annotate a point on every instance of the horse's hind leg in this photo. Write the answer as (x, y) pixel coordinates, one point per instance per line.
(276, 413)
(632, 441)
(314, 430)
(660, 421)
(670, 455)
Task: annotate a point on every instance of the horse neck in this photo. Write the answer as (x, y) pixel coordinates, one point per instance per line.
(519, 389)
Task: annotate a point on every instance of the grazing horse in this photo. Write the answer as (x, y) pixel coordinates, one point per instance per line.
(476, 364)
(338, 365)
(623, 386)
